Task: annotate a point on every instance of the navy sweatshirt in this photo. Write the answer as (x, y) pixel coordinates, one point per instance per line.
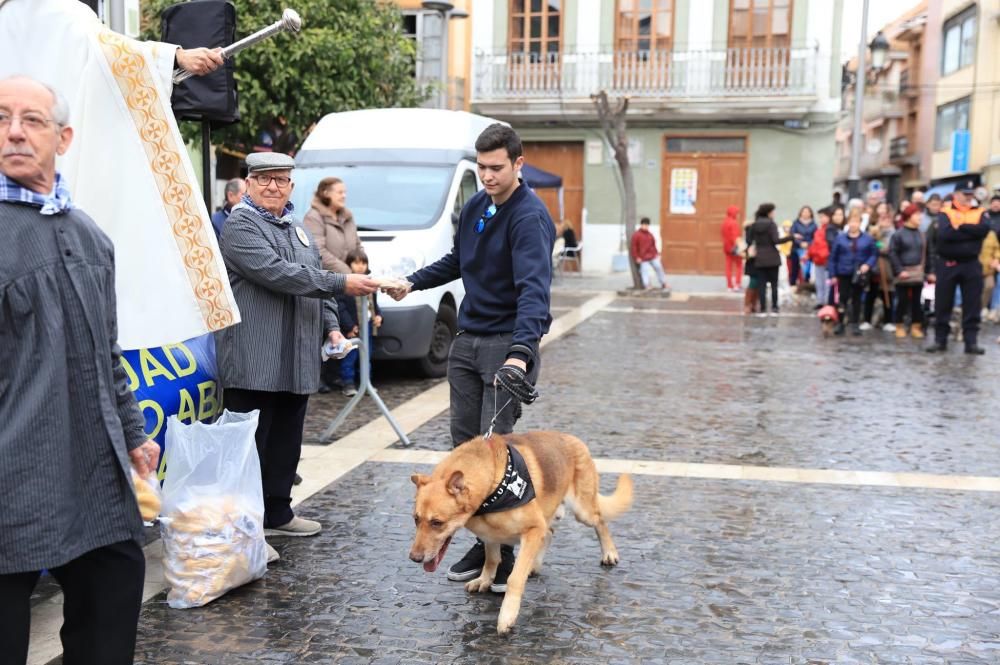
(506, 269)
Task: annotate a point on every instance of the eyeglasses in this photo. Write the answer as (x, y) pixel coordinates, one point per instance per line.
(481, 224)
(263, 180)
(31, 121)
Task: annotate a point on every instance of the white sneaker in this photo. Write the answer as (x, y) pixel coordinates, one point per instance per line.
(349, 391)
(865, 326)
(272, 554)
(889, 327)
(760, 315)
(297, 527)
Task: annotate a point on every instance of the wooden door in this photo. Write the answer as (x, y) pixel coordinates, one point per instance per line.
(564, 159)
(697, 187)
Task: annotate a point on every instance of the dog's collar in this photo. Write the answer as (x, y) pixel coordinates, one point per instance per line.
(514, 490)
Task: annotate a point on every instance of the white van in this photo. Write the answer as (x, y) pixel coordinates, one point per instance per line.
(408, 173)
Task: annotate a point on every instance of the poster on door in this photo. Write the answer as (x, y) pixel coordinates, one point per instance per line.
(683, 190)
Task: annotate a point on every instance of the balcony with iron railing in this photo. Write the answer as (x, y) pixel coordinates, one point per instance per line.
(884, 105)
(746, 76)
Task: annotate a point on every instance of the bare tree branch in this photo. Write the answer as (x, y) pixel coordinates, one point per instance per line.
(614, 126)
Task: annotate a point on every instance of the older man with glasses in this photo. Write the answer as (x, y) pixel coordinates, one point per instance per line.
(271, 361)
(71, 429)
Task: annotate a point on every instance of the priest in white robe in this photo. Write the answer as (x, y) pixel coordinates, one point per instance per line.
(128, 167)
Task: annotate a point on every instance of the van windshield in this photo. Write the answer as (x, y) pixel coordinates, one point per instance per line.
(382, 197)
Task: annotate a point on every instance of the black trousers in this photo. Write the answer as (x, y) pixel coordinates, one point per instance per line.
(768, 276)
(875, 292)
(279, 445)
(850, 296)
(908, 304)
(102, 593)
(967, 276)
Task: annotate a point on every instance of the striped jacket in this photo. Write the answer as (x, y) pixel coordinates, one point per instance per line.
(286, 305)
(68, 417)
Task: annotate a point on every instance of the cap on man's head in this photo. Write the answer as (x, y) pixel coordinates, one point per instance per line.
(269, 161)
(967, 186)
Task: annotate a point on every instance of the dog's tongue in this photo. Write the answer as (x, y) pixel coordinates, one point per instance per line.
(431, 566)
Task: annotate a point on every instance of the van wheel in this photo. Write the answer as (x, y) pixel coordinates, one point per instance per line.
(435, 363)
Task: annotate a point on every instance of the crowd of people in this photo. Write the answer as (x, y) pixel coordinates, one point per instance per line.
(876, 265)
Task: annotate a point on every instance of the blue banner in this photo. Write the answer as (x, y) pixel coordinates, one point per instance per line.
(176, 379)
(960, 151)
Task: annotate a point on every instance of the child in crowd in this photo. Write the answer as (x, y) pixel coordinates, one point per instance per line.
(350, 320)
(819, 254)
(803, 230)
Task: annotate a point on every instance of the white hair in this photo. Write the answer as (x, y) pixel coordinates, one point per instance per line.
(60, 107)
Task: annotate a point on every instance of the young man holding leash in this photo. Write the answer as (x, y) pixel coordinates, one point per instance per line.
(502, 253)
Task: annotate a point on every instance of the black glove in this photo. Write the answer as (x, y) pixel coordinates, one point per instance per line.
(513, 379)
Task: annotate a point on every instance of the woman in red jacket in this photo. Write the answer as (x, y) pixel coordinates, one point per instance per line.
(730, 245)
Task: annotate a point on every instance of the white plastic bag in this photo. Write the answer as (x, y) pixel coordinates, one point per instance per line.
(212, 519)
(147, 495)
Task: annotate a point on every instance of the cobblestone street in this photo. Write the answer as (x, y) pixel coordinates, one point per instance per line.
(804, 566)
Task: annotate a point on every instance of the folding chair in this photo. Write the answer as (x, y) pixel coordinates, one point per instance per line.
(570, 254)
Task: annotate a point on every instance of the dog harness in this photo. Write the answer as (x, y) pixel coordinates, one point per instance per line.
(514, 490)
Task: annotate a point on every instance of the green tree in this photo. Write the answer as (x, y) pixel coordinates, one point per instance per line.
(350, 54)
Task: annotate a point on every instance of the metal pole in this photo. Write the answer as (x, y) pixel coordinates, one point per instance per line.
(116, 15)
(206, 163)
(854, 178)
(365, 384)
(445, 21)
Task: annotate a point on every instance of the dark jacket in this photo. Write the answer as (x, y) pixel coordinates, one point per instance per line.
(349, 309)
(219, 218)
(992, 219)
(285, 299)
(947, 243)
(847, 254)
(805, 229)
(907, 248)
(506, 270)
(69, 417)
(764, 234)
(832, 231)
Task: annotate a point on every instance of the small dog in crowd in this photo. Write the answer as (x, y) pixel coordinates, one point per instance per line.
(828, 316)
(482, 474)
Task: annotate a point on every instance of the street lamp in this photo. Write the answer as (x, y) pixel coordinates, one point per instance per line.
(879, 50)
(447, 12)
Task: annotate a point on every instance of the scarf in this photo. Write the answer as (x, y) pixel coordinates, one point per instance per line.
(286, 214)
(56, 202)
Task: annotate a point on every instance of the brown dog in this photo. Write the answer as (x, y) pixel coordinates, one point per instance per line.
(560, 468)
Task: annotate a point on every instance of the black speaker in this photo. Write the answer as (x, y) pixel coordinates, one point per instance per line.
(208, 23)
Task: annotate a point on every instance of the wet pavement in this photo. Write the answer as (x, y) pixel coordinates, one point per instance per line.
(713, 571)
(660, 384)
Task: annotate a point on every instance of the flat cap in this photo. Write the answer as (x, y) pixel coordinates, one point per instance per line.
(269, 161)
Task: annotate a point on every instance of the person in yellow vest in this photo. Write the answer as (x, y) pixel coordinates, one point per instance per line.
(954, 243)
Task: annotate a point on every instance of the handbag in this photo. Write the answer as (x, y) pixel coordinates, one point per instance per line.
(914, 274)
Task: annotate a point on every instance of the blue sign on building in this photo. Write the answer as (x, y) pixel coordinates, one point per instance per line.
(960, 150)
